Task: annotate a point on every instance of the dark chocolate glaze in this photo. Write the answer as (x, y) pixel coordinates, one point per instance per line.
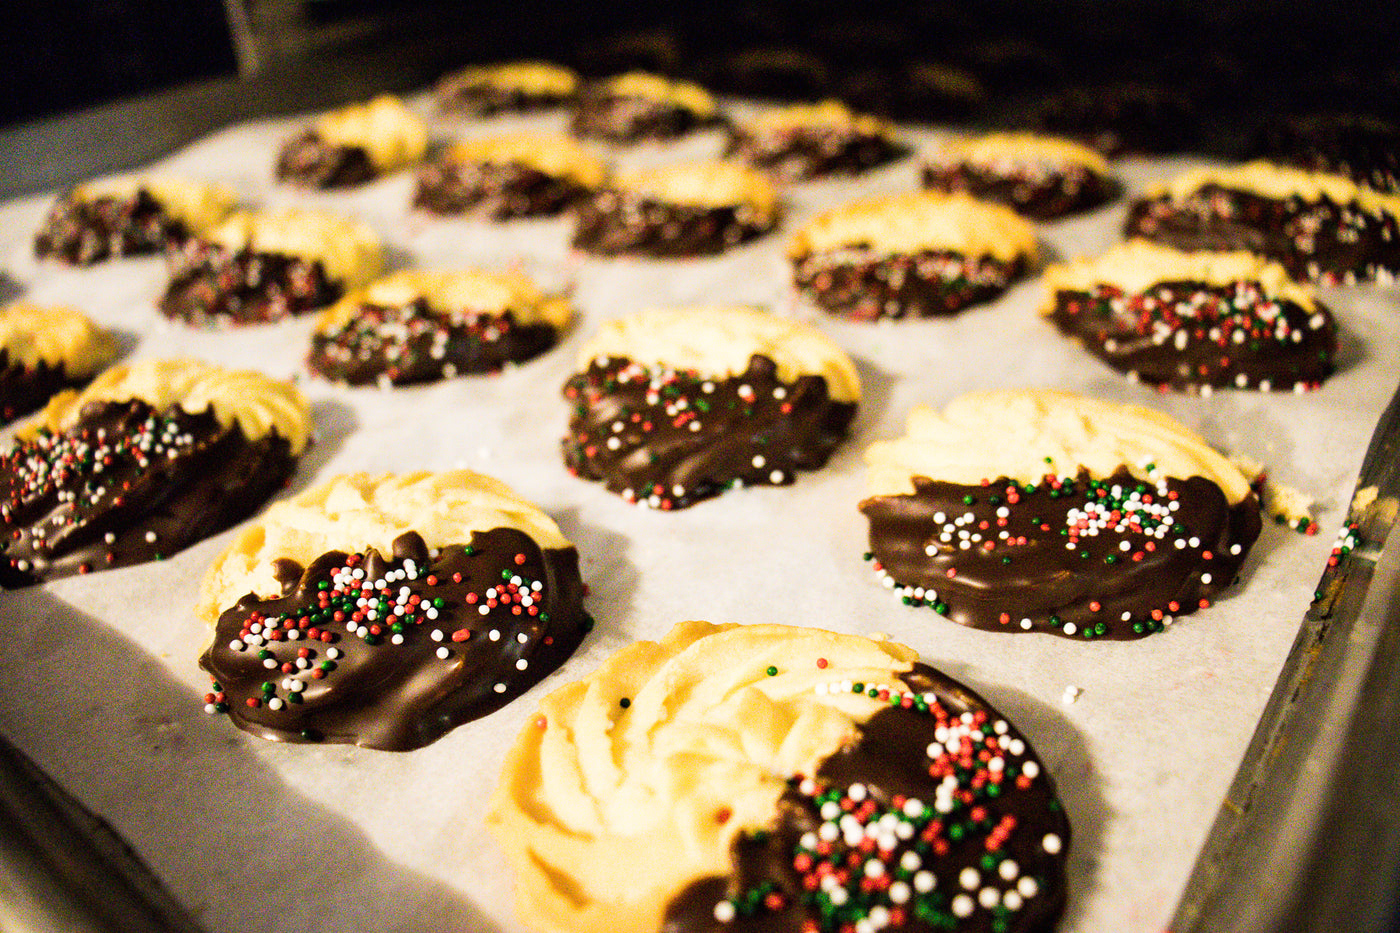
(308, 160)
(632, 429)
(1185, 335)
(600, 114)
(210, 284)
(1365, 149)
(128, 484)
(865, 285)
(614, 222)
(1125, 118)
(28, 388)
(82, 232)
(802, 152)
(1044, 193)
(972, 840)
(497, 190)
(1063, 564)
(472, 97)
(410, 343)
(476, 626)
(1313, 239)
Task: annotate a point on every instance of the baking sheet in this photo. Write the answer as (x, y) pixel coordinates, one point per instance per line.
(101, 685)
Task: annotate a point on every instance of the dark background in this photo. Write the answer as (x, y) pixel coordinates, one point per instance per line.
(985, 61)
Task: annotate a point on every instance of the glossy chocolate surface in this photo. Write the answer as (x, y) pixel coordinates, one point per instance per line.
(210, 285)
(409, 343)
(310, 161)
(1113, 558)
(800, 152)
(126, 485)
(615, 222)
(864, 285)
(497, 190)
(393, 652)
(938, 816)
(669, 439)
(1039, 191)
(1187, 335)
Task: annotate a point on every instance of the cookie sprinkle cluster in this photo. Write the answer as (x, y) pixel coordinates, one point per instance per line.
(410, 338)
(865, 861)
(1103, 523)
(1223, 331)
(867, 284)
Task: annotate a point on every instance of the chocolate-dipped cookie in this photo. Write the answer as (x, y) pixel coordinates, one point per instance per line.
(1322, 227)
(1038, 176)
(515, 175)
(1194, 321)
(1364, 148)
(484, 90)
(145, 461)
(129, 216)
(691, 209)
(674, 406)
(1049, 512)
(775, 778)
(44, 350)
(353, 145)
(419, 326)
(637, 105)
(910, 255)
(812, 140)
(385, 610)
(258, 267)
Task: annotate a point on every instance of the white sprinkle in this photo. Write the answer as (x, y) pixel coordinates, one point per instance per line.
(899, 893)
(269, 663)
(494, 634)
(396, 638)
(1071, 692)
(910, 861)
(436, 635)
(499, 688)
(1008, 869)
(521, 664)
(776, 476)
(275, 704)
(759, 463)
(1051, 843)
(1027, 886)
(924, 882)
(989, 897)
(1070, 628)
(970, 878)
(962, 905)
(724, 911)
(1031, 770)
(236, 645)
(332, 653)
(1012, 901)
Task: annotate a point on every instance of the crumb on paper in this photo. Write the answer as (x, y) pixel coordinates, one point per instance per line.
(1284, 504)
(1071, 694)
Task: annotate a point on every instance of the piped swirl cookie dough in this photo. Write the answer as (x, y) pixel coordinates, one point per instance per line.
(672, 406)
(911, 255)
(145, 461)
(420, 326)
(768, 777)
(385, 610)
(354, 144)
(1040, 176)
(1320, 226)
(262, 266)
(1194, 321)
(44, 350)
(1032, 510)
(689, 209)
(509, 176)
(129, 215)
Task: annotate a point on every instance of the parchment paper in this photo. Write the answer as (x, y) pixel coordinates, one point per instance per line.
(100, 681)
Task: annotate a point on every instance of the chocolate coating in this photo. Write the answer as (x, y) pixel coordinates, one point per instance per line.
(497, 190)
(128, 484)
(308, 160)
(1063, 563)
(966, 839)
(601, 114)
(472, 97)
(408, 343)
(1042, 192)
(802, 152)
(1186, 335)
(210, 284)
(866, 285)
(661, 438)
(28, 388)
(1312, 239)
(81, 232)
(457, 635)
(614, 222)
